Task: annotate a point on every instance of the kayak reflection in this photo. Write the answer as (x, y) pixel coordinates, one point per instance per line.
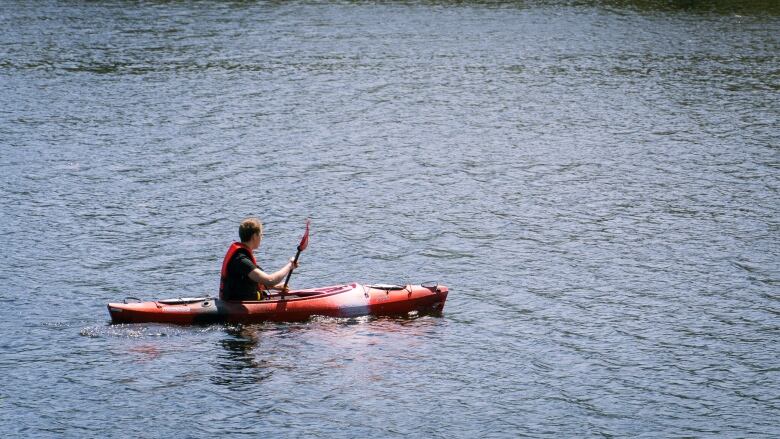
(238, 364)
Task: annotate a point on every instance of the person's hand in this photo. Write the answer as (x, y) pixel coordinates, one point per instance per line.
(284, 290)
(294, 263)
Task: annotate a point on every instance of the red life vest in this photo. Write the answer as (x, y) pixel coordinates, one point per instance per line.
(234, 247)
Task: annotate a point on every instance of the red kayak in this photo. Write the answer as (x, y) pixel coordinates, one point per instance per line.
(352, 300)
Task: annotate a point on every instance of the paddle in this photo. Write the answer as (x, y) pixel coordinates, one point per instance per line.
(301, 247)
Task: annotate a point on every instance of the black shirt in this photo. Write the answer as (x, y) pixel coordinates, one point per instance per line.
(238, 285)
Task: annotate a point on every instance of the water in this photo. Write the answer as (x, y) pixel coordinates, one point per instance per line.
(596, 182)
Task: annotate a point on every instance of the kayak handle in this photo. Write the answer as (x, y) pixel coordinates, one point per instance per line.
(131, 298)
(432, 284)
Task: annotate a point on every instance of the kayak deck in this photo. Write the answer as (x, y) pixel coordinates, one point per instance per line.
(350, 300)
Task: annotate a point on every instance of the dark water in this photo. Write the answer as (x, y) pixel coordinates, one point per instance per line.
(597, 183)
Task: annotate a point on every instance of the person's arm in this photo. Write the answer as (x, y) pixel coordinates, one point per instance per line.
(271, 280)
(280, 287)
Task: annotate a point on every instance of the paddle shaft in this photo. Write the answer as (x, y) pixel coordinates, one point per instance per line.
(287, 281)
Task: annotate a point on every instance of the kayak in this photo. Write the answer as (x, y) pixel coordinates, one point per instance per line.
(351, 300)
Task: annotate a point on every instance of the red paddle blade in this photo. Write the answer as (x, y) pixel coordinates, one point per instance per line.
(305, 240)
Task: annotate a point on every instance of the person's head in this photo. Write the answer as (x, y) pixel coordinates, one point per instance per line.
(251, 232)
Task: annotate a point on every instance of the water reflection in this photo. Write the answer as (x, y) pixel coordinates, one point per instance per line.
(238, 365)
(704, 6)
(146, 352)
(693, 6)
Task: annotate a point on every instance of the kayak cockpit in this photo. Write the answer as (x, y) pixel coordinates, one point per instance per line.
(274, 295)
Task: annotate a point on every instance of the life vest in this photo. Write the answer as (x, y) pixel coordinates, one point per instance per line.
(234, 247)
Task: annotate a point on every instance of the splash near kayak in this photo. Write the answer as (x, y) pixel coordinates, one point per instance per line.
(351, 300)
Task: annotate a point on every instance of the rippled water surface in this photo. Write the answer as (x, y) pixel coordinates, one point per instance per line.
(596, 182)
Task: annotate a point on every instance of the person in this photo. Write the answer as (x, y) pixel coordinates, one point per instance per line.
(241, 278)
